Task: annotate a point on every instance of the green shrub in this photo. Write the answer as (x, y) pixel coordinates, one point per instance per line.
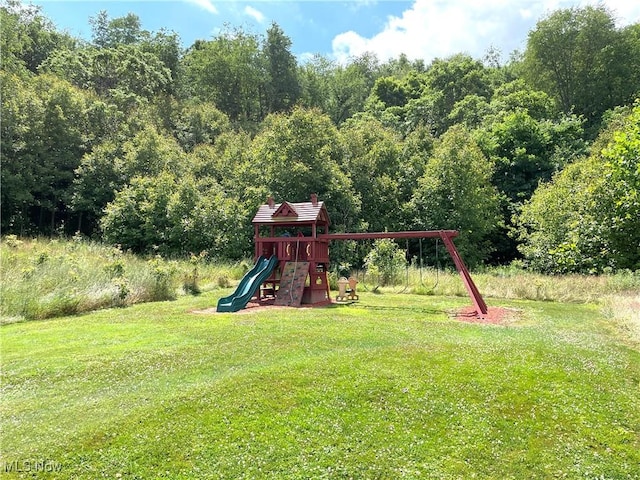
(385, 261)
(163, 273)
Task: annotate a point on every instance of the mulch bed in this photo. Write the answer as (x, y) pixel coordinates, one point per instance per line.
(494, 315)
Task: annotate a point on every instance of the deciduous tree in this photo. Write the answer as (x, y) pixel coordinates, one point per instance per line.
(455, 192)
(124, 69)
(228, 72)
(298, 154)
(372, 159)
(579, 57)
(588, 218)
(283, 88)
(28, 37)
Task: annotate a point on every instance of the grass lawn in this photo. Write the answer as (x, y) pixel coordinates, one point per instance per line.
(389, 387)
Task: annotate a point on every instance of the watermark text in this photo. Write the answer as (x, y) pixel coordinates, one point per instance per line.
(30, 466)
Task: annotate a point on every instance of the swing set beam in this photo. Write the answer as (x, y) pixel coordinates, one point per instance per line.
(377, 235)
(447, 238)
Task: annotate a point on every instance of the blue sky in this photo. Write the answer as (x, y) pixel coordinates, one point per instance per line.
(338, 29)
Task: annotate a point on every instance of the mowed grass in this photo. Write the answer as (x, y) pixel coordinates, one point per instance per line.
(390, 387)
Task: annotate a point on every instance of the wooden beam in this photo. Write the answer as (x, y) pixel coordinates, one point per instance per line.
(376, 235)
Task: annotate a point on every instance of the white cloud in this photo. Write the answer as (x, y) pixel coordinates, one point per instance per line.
(432, 29)
(440, 28)
(255, 14)
(204, 4)
(626, 12)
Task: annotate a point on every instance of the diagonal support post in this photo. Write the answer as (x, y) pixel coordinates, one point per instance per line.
(472, 290)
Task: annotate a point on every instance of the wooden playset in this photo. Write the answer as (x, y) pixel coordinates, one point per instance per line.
(297, 235)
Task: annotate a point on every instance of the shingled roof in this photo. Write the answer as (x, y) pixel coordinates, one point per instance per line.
(287, 212)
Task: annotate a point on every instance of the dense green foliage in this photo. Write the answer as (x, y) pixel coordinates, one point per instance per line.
(135, 139)
(580, 58)
(588, 218)
(455, 193)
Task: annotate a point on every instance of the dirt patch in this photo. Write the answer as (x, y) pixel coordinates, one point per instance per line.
(250, 308)
(494, 315)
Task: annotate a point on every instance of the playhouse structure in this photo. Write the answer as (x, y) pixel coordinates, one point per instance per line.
(293, 233)
(292, 256)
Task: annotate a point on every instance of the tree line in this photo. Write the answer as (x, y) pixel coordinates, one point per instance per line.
(132, 139)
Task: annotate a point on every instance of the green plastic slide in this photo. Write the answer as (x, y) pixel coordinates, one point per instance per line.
(248, 285)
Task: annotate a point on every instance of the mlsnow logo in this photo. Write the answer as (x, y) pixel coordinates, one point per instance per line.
(31, 466)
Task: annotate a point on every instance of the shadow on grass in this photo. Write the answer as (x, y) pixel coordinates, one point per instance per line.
(404, 309)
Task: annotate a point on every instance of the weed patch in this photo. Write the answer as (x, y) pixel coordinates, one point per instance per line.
(51, 278)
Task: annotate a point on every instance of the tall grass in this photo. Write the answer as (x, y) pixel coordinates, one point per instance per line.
(43, 278)
(509, 283)
(624, 310)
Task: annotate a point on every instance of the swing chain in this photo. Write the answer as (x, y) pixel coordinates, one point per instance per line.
(421, 267)
(437, 265)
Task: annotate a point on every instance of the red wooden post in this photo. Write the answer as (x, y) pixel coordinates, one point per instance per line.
(472, 290)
